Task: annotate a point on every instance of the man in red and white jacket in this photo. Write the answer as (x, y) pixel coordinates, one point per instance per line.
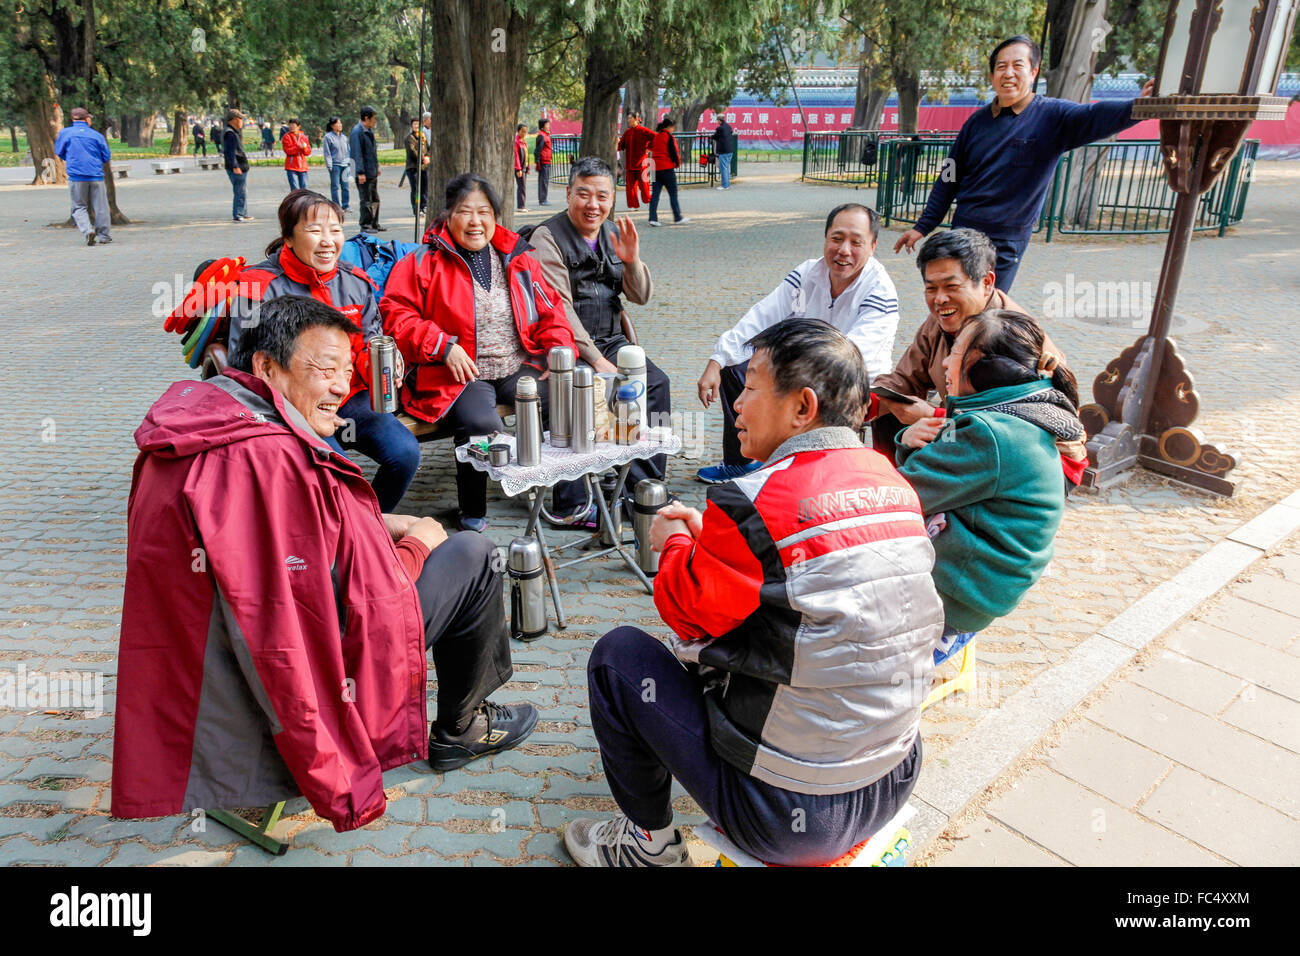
(802, 605)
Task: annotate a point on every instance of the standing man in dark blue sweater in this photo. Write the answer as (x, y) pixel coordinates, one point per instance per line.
(1002, 162)
(232, 148)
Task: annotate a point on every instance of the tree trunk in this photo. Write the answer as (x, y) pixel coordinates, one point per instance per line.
(142, 127)
(476, 83)
(869, 100)
(908, 84)
(643, 97)
(600, 107)
(13, 139)
(115, 215)
(43, 117)
(1071, 76)
(180, 133)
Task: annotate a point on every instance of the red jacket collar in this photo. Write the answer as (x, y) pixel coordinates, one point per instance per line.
(300, 272)
(503, 240)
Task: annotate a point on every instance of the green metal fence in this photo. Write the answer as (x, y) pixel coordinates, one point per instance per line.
(1115, 188)
(691, 171)
(851, 158)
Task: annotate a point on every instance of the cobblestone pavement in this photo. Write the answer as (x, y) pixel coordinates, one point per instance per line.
(85, 356)
(1187, 758)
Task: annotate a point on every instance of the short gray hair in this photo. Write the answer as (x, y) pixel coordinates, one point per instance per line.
(810, 353)
(588, 166)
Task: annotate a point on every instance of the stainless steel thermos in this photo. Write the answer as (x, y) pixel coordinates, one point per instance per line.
(649, 496)
(527, 590)
(528, 423)
(385, 373)
(560, 362)
(584, 411)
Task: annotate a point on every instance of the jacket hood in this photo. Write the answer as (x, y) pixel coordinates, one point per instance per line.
(194, 417)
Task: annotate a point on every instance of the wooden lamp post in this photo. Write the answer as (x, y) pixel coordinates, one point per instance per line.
(1220, 61)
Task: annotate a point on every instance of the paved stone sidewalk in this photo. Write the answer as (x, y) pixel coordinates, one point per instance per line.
(1189, 757)
(85, 357)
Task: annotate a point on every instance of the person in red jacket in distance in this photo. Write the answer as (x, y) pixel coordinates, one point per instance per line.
(297, 147)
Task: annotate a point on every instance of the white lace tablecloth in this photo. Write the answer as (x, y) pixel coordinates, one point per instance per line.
(562, 464)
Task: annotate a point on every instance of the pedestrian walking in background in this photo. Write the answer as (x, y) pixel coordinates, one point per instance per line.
(214, 135)
(338, 159)
(200, 140)
(724, 147)
(232, 148)
(365, 156)
(268, 139)
(635, 145)
(417, 167)
(521, 169)
(542, 153)
(85, 151)
(297, 147)
(666, 159)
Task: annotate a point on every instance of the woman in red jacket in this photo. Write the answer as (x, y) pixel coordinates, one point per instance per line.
(297, 147)
(472, 315)
(666, 158)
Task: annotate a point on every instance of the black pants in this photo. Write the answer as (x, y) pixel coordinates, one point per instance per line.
(368, 196)
(569, 495)
(543, 182)
(884, 429)
(420, 183)
(733, 383)
(665, 180)
(650, 719)
(464, 626)
(521, 189)
(475, 413)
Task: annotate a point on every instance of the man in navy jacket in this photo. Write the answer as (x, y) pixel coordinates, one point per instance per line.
(85, 151)
(1002, 161)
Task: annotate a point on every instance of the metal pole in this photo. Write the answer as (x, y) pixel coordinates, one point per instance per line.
(419, 154)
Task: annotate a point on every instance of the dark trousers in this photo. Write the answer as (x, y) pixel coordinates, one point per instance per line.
(543, 182)
(387, 442)
(475, 413)
(665, 180)
(239, 183)
(649, 716)
(569, 495)
(419, 189)
(733, 383)
(464, 626)
(884, 430)
(521, 189)
(368, 197)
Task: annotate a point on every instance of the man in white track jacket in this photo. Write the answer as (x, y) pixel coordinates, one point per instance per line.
(846, 287)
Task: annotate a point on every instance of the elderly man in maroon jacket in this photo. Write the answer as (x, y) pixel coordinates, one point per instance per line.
(275, 624)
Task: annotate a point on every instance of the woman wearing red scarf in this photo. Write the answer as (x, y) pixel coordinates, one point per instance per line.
(304, 261)
(521, 169)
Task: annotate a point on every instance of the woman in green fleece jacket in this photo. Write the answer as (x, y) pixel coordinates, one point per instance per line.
(990, 476)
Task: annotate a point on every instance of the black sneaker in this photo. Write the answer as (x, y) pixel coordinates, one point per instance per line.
(495, 727)
(90, 239)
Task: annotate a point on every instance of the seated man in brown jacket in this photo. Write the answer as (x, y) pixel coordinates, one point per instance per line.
(957, 266)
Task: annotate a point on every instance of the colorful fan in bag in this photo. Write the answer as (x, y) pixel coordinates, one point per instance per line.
(205, 307)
